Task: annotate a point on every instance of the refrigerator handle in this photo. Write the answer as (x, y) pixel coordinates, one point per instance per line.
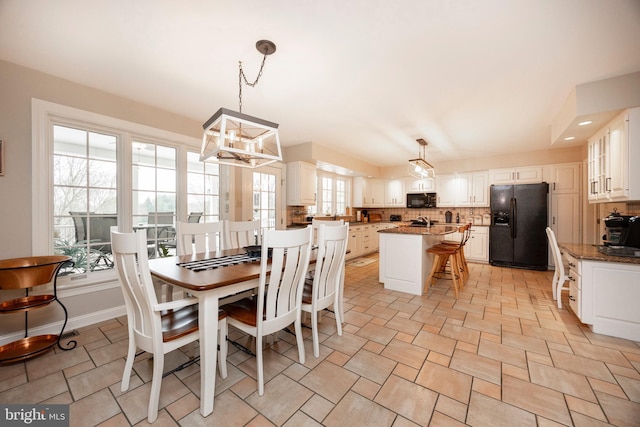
(512, 221)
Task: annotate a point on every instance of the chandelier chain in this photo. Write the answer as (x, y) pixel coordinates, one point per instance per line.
(242, 77)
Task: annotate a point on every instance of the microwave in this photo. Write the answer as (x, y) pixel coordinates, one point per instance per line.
(421, 200)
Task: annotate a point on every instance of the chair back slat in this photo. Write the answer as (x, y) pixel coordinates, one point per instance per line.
(199, 237)
(132, 264)
(291, 251)
(332, 247)
(239, 234)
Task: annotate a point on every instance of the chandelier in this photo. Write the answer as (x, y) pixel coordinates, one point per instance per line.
(237, 139)
(419, 167)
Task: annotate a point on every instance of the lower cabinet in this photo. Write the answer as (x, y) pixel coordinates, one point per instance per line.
(364, 238)
(354, 244)
(604, 294)
(477, 247)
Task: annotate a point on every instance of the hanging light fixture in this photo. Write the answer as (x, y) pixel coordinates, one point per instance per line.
(419, 167)
(237, 139)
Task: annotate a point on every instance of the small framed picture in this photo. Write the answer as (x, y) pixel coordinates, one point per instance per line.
(1, 157)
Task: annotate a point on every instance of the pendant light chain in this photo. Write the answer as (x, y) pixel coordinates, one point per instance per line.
(242, 77)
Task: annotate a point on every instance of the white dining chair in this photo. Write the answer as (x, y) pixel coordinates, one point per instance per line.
(239, 234)
(194, 237)
(277, 302)
(323, 290)
(157, 328)
(559, 276)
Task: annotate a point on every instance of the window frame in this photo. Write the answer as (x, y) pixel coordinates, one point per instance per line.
(334, 196)
(44, 115)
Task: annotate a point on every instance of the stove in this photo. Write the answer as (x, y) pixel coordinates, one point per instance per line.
(626, 251)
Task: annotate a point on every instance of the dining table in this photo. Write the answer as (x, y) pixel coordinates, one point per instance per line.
(209, 277)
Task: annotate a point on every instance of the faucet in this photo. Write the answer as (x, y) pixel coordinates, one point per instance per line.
(425, 219)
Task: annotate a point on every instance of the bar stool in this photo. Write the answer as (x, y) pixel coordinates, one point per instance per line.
(451, 254)
(462, 260)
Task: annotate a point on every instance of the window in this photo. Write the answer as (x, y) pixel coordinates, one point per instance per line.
(91, 172)
(264, 199)
(84, 196)
(203, 189)
(333, 191)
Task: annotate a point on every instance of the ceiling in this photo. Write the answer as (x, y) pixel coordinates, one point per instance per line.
(364, 77)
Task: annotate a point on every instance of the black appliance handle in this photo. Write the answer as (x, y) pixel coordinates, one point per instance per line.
(513, 225)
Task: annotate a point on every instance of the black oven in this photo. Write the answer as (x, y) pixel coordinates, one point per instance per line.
(421, 200)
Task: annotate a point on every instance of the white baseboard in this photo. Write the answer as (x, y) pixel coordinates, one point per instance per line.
(72, 323)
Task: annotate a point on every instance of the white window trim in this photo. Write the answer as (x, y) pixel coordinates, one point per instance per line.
(43, 113)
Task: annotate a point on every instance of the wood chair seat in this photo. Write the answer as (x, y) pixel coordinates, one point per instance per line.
(181, 322)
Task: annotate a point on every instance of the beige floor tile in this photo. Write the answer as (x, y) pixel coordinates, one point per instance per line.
(630, 387)
(586, 421)
(348, 344)
(476, 366)
(93, 409)
(440, 420)
(228, 410)
(406, 372)
(589, 409)
(360, 412)
(101, 377)
(36, 391)
(563, 381)
(619, 412)
(370, 365)
(281, 399)
(366, 388)
(377, 333)
(600, 353)
(405, 353)
(435, 342)
(418, 408)
(449, 382)
(330, 381)
(300, 419)
(407, 326)
(607, 387)
(502, 353)
(581, 365)
(53, 362)
(373, 347)
(183, 406)
(485, 411)
(535, 398)
(488, 389)
(460, 333)
(135, 402)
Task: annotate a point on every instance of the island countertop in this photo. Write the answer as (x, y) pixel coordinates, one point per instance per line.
(434, 230)
(591, 253)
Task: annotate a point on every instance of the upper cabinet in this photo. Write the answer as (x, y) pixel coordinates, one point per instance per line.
(473, 189)
(465, 189)
(522, 175)
(368, 193)
(395, 193)
(416, 185)
(301, 184)
(565, 178)
(611, 152)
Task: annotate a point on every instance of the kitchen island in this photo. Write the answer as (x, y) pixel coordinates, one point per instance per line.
(604, 290)
(404, 261)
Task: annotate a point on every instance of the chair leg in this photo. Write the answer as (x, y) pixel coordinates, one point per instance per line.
(259, 366)
(128, 366)
(156, 382)
(455, 271)
(434, 268)
(338, 319)
(554, 285)
(300, 338)
(222, 342)
(314, 332)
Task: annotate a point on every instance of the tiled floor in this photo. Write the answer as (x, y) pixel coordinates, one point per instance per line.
(500, 355)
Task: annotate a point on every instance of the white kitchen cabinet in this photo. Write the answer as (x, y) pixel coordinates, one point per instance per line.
(477, 247)
(354, 242)
(416, 185)
(447, 190)
(368, 193)
(565, 202)
(395, 195)
(521, 175)
(602, 295)
(611, 152)
(366, 239)
(473, 189)
(565, 178)
(301, 184)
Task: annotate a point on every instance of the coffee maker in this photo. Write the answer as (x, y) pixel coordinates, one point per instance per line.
(615, 225)
(622, 230)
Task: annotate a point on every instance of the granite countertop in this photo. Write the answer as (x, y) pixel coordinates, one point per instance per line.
(434, 230)
(591, 253)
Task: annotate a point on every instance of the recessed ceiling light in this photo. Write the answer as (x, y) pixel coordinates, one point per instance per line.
(586, 122)
(569, 138)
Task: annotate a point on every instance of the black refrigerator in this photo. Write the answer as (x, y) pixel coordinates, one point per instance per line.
(517, 236)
